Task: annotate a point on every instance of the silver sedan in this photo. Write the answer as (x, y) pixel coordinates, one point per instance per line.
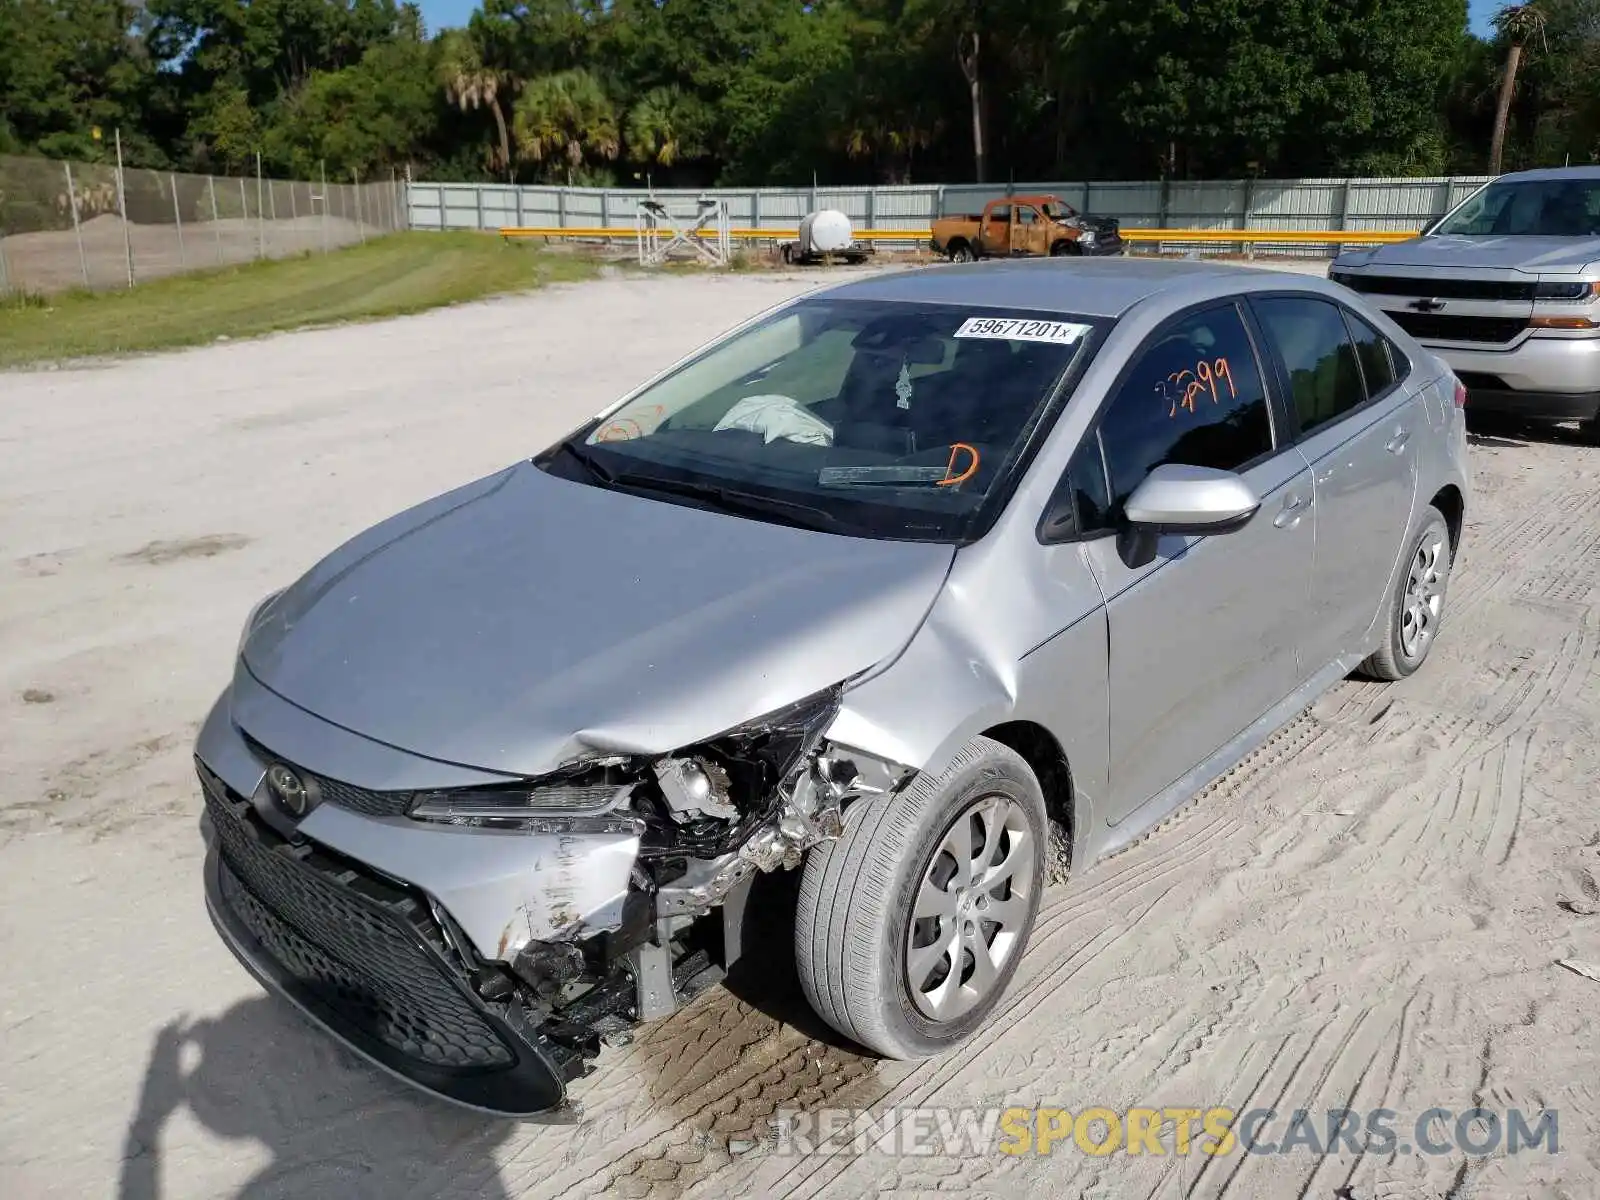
(935, 587)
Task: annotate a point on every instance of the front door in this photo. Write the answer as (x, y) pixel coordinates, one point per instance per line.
(1204, 639)
(995, 233)
(1030, 232)
(1357, 423)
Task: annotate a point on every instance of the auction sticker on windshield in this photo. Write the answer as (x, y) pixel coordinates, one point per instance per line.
(1013, 329)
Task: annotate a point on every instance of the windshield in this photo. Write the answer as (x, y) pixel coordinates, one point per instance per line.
(1058, 211)
(891, 420)
(1567, 208)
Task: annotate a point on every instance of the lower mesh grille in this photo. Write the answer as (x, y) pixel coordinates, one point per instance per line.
(366, 966)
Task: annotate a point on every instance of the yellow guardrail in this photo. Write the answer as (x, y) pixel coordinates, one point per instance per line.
(1289, 237)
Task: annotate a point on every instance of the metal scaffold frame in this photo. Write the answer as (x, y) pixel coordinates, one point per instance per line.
(660, 228)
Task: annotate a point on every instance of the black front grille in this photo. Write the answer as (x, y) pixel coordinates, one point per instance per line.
(352, 943)
(1442, 289)
(362, 800)
(1443, 327)
(368, 802)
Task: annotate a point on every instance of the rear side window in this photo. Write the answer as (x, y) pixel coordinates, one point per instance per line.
(1374, 352)
(1194, 397)
(1324, 375)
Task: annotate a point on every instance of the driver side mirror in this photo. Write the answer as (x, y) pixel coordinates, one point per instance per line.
(1183, 500)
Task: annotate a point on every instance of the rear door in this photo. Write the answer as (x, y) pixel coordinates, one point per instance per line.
(1357, 426)
(1204, 639)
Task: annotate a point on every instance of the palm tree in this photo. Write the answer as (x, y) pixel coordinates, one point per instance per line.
(471, 83)
(1518, 24)
(967, 56)
(566, 116)
(661, 128)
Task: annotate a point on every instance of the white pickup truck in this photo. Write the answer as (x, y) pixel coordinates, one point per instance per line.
(1506, 289)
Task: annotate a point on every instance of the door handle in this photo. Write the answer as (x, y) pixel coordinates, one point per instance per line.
(1294, 507)
(1397, 443)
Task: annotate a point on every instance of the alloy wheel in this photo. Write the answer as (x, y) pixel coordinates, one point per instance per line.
(971, 909)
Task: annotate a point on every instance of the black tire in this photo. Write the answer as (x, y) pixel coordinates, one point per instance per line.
(1589, 431)
(1064, 249)
(855, 913)
(960, 252)
(1393, 660)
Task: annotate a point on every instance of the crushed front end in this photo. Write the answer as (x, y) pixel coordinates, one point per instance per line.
(483, 940)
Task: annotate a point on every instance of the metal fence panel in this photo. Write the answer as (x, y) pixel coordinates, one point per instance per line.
(1300, 204)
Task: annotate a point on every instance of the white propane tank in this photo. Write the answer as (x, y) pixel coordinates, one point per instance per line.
(825, 232)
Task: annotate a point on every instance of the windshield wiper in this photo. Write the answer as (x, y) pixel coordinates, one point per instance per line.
(732, 500)
(585, 460)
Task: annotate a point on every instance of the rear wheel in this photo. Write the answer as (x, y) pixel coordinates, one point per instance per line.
(911, 924)
(1418, 604)
(960, 253)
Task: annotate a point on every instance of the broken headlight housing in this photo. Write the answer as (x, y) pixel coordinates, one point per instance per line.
(708, 790)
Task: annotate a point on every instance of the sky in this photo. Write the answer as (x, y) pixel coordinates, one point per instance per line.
(442, 14)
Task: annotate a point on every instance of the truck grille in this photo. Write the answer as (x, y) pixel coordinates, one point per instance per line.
(1441, 327)
(1442, 289)
(358, 954)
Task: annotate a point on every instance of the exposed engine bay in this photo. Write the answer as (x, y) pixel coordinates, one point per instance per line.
(708, 819)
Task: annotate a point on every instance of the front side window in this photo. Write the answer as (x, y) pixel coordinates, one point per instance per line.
(1195, 397)
(885, 419)
(1324, 376)
(1565, 208)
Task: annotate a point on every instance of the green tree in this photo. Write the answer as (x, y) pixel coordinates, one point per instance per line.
(565, 121)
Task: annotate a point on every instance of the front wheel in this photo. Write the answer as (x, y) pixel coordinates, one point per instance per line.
(1417, 607)
(910, 925)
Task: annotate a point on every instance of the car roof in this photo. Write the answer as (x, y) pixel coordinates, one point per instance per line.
(1552, 173)
(1091, 287)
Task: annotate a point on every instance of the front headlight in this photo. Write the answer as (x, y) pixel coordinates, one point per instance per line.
(1086, 237)
(251, 621)
(752, 760)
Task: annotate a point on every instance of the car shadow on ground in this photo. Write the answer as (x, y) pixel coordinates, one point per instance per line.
(765, 977)
(259, 1076)
(1502, 432)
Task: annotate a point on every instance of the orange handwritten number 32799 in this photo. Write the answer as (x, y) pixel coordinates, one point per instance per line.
(1205, 377)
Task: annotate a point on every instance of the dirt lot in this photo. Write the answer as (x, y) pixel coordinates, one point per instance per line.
(1368, 913)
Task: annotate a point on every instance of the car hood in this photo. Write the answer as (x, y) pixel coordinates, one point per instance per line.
(1535, 255)
(525, 621)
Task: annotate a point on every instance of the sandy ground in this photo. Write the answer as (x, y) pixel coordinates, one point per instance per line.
(1368, 913)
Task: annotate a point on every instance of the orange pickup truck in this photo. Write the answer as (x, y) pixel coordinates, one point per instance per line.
(1024, 226)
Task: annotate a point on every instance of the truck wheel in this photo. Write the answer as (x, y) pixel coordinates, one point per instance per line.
(911, 924)
(960, 253)
(1064, 249)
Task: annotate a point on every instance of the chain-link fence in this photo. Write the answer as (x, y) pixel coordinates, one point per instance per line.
(86, 225)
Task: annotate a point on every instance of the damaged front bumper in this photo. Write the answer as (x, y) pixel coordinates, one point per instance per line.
(487, 965)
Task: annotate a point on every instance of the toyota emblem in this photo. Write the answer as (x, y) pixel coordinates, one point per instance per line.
(288, 789)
